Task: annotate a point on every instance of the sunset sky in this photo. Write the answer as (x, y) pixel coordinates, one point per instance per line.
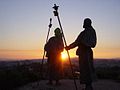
(24, 25)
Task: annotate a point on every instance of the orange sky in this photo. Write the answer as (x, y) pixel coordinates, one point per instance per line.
(37, 54)
(20, 54)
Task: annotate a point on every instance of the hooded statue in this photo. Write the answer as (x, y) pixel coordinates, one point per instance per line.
(54, 47)
(85, 42)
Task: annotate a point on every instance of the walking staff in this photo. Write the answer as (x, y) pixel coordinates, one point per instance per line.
(49, 27)
(57, 14)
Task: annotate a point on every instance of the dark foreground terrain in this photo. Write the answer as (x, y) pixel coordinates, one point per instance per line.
(24, 75)
(69, 85)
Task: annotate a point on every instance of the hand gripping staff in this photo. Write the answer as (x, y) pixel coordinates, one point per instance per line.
(57, 14)
(41, 68)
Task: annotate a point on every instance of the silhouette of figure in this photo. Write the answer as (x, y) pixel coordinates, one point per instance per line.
(54, 47)
(85, 41)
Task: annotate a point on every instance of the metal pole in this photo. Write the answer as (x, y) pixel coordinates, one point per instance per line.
(56, 14)
(41, 69)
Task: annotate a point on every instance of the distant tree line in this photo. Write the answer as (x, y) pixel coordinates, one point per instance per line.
(112, 73)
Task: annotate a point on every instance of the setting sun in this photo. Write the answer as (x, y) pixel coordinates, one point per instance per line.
(64, 55)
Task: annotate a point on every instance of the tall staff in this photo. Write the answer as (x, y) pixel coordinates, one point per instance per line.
(57, 14)
(49, 27)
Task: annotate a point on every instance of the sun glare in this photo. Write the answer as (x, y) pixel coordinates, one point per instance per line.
(64, 55)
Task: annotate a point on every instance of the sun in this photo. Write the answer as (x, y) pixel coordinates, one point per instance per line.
(64, 55)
